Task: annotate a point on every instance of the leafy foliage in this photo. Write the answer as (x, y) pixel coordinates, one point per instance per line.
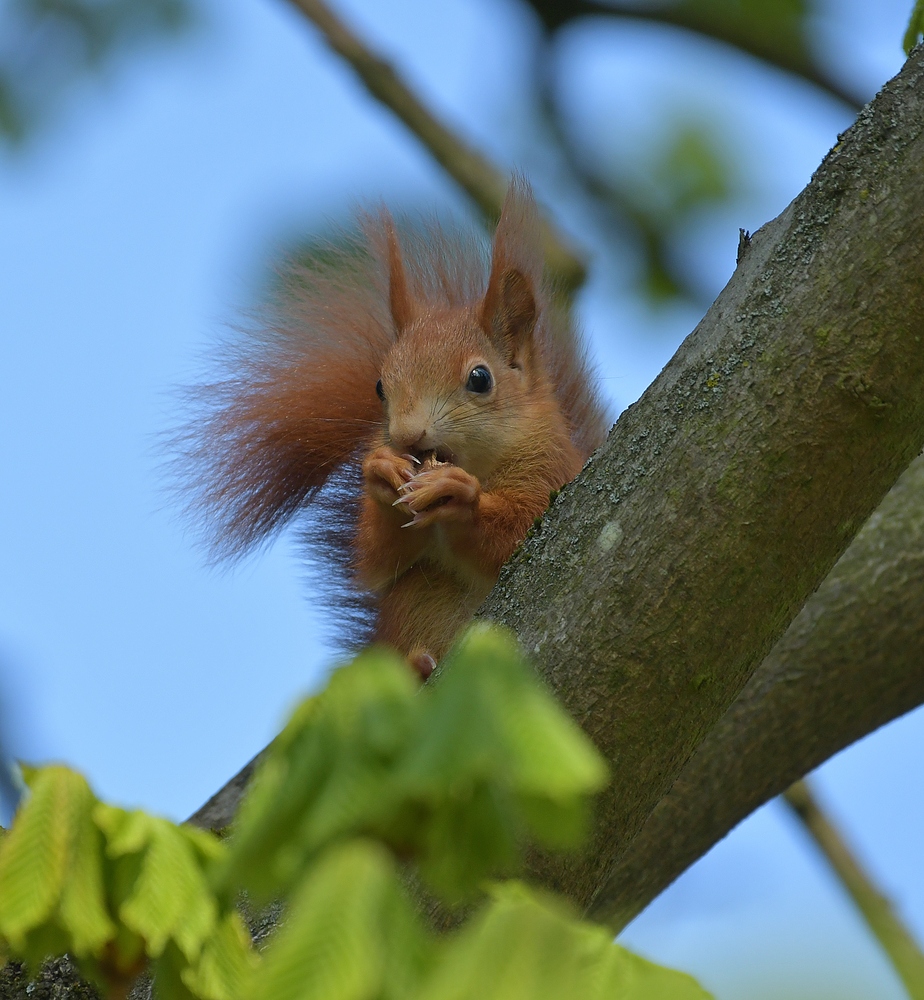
(529, 945)
(368, 775)
(352, 932)
(109, 887)
(455, 775)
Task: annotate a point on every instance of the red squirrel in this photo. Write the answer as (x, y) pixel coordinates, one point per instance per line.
(416, 416)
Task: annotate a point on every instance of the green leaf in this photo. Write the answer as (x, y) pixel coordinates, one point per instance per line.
(549, 755)
(170, 898)
(50, 860)
(351, 934)
(71, 865)
(494, 759)
(329, 775)
(226, 963)
(457, 774)
(469, 837)
(168, 970)
(83, 909)
(525, 945)
(915, 27)
(628, 976)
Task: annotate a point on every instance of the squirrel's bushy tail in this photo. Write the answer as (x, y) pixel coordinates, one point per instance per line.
(294, 401)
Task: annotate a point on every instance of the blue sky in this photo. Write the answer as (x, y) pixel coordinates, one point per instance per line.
(138, 228)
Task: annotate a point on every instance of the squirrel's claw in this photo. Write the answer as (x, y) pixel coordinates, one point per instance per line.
(445, 493)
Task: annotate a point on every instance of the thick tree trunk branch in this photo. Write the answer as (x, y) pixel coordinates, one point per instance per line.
(663, 576)
(852, 660)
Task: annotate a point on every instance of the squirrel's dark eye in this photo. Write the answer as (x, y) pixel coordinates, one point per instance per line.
(479, 380)
(379, 391)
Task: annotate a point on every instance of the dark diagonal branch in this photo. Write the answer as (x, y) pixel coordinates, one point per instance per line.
(481, 180)
(737, 25)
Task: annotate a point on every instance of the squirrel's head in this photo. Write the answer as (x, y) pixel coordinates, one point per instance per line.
(463, 382)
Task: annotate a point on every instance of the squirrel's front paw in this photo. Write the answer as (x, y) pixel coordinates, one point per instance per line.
(385, 472)
(445, 493)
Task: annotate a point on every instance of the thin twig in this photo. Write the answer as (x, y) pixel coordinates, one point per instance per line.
(897, 942)
(709, 21)
(479, 178)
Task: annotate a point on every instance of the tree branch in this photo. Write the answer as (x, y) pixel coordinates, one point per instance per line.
(481, 180)
(850, 662)
(877, 910)
(743, 30)
(663, 576)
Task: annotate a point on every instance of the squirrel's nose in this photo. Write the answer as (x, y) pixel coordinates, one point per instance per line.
(413, 439)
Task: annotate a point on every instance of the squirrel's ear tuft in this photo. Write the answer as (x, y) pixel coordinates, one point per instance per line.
(399, 296)
(509, 311)
(510, 308)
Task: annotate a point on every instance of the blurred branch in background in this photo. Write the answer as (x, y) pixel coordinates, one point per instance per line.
(774, 31)
(48, 45)
(650, 196)
(896, 940)
(484, 183)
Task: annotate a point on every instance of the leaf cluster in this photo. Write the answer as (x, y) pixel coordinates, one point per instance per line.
(370, 775)
(113, 889)
(456, 775)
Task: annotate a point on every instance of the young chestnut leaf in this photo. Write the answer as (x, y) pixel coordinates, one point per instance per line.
(351, 934)
(457, 775)
(113, 889)
(51, 882)
(525, 944)
(327, 776)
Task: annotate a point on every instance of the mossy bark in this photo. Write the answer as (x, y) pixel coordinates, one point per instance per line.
(852, 660)
(662, 577)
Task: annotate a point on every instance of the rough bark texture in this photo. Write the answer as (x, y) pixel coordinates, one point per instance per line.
(852, 660)
(662, 577)
(57, 980)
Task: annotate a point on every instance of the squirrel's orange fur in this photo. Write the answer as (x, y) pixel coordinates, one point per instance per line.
(420, 496)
